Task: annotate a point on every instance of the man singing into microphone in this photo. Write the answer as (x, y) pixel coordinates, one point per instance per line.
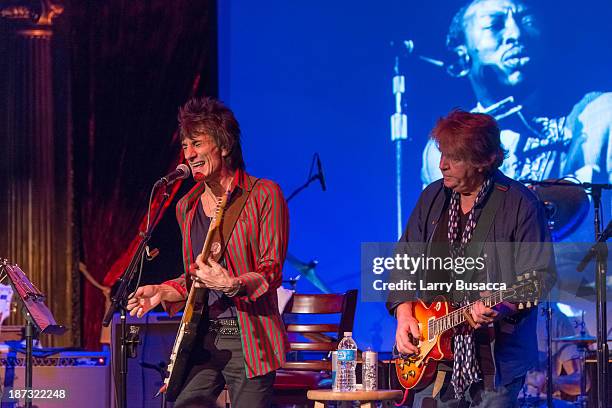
(241, 341)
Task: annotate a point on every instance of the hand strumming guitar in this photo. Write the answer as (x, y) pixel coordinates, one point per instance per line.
(214, 277)
(407, 333)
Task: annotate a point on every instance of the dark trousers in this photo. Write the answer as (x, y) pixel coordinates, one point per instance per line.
(220, 361)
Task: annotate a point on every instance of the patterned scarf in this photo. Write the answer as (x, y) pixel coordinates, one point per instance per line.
(465, 367)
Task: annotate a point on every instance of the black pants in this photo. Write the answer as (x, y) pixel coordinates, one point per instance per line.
(220, 361)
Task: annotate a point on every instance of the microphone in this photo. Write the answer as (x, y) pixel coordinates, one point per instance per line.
(182, 172)
(320, 175)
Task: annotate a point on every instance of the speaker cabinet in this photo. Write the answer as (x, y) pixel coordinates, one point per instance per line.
(67, 379)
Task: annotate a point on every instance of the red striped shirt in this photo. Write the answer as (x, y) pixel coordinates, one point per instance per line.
(255, 253)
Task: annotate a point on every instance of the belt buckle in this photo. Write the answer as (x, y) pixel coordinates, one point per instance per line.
(229, 331)
(224, 326)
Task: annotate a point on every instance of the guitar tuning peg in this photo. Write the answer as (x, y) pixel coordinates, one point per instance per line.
(528, 303)
(535, 302)
(521, 306)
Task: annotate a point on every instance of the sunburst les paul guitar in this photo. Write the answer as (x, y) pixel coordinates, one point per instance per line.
(195, 308)
(436, 321)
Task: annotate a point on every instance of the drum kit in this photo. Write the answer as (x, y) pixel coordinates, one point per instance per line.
(582, 342)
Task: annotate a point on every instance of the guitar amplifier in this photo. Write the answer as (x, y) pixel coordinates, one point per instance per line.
(64, 379)
(157, 332)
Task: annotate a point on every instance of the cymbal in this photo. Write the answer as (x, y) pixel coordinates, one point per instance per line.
(577, 338)
(307, 270)
(566, 207)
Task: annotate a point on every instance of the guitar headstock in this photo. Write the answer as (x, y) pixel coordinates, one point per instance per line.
(525, 292)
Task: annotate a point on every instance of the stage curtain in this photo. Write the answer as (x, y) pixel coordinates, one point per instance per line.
(133, 63)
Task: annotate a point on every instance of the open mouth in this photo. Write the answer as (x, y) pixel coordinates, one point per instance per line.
(515, 58)
(197, 165)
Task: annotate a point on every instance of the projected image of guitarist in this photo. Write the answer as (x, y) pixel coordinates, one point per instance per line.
(235, 230)
(470, 212)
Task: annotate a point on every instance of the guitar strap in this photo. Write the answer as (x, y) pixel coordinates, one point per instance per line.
(474, 249)
(221, 236)
(233, 213)
(485, 221)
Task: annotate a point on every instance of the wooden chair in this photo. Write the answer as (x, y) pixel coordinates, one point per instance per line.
(333, 314)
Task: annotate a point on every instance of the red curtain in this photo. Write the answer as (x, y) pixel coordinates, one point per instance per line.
(133, 63)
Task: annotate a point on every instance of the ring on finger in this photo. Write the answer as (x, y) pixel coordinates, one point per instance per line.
(196, 279)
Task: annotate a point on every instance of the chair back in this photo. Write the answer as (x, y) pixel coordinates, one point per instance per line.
(323, 335)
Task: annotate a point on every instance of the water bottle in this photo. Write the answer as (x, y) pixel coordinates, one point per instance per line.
(347, 357)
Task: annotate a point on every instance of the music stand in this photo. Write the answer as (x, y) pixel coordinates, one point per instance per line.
(37, 315)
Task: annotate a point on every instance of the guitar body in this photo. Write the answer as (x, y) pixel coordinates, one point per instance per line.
(437, 320)
(188, 331)
(418, 371)
(195, 309)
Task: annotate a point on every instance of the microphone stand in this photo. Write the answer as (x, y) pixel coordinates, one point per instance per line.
(119, 301)
(311, 178)
(599, 251)
(303, 186)
(549, 359)
(399, 133)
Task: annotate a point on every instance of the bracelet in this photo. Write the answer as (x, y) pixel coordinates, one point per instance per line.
(235, 291)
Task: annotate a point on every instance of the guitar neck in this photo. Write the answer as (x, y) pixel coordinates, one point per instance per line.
(457, 316)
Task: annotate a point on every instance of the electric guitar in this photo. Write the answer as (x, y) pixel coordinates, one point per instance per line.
(436, 321)
(195, 308)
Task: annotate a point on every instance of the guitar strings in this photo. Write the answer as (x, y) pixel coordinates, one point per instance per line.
(456, 317)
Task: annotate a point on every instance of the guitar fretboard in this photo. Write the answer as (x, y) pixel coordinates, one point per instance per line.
(457, 316)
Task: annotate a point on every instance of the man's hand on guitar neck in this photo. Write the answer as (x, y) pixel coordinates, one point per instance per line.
(483, 315)
(407, 333)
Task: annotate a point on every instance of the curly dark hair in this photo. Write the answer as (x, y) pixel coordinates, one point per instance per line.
(211, 117)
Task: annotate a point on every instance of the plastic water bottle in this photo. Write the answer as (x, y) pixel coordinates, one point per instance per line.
(347, 360)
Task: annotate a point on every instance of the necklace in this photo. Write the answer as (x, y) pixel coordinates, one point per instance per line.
(210, 201)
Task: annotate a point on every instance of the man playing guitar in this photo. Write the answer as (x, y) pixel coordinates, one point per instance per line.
(475, 210)
(241, 339)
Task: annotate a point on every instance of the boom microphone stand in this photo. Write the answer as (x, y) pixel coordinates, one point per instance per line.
(308, 269)
(119, 301)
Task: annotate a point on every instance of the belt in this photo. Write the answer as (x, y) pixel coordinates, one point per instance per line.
(224, 326)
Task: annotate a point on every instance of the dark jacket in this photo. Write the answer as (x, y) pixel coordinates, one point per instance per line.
(517, 242)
